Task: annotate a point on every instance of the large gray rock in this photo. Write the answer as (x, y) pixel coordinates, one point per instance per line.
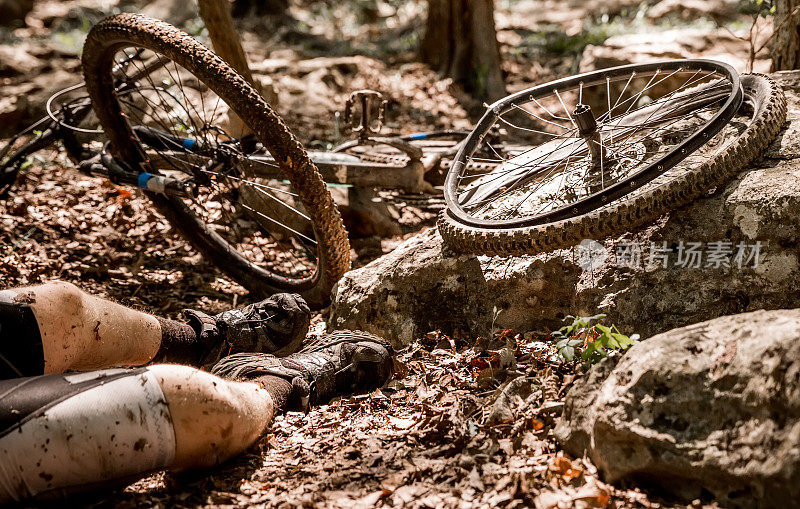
(421, 286)
(712, 408)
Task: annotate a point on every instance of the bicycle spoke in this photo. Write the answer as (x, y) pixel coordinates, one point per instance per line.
(653, 112)
(260, 219)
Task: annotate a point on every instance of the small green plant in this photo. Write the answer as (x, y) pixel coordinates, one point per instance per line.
(761, 8)
(590, 339)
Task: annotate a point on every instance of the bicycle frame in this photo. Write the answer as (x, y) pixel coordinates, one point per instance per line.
(336, 166)
(404, 169)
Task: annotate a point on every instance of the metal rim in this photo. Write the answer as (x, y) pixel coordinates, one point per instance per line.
(617, 190)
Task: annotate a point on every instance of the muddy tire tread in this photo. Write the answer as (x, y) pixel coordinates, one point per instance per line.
(116, 32)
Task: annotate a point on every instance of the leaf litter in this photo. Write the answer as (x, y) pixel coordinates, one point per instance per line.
(443, 433)
(467, 422)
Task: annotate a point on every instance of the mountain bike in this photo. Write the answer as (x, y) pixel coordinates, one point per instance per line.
(215, 159)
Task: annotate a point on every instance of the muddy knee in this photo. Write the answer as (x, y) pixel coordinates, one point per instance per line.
(63, 433)
(214, 419)
(68, 298)
(38, 328)
(60, 309)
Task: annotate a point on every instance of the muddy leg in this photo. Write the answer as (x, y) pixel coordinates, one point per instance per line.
(68, 329)
(65, 433)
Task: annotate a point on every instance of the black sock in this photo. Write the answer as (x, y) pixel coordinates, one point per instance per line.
(278, 388)
(178, 343)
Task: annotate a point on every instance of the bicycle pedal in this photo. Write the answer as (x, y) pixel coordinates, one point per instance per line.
(367, 101)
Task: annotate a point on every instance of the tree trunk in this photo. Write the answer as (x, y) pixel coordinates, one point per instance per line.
(242, 8)
(786, 39)
(216, 15)
(461, 42)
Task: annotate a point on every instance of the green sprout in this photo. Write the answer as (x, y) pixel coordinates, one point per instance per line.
(589, 339)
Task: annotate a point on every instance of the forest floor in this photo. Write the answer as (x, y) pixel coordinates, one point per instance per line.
(437, 436)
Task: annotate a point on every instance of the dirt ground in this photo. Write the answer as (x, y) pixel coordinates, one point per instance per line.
(468, 421)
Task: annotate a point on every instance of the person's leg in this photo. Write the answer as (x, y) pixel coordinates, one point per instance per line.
(76, 330)
(62, 433)
(215, 419)
(55, 327)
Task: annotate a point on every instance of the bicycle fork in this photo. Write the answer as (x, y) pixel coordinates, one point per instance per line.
(103, 165)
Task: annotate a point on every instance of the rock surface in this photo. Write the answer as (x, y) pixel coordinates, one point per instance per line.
(421, 286)
(175, 13)
(709, 408)
(720, 11)
(677, 43)
(24, 103)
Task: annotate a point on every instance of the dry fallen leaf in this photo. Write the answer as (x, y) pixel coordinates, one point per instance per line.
(564, 468)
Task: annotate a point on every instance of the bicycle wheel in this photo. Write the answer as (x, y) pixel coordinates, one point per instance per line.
(72, 113)
(281, 234)
(656, 154)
